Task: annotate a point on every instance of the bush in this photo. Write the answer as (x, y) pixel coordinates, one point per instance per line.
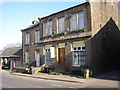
(20, 69)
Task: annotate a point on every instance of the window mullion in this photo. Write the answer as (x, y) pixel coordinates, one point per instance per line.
(77, 21)
(48, 28)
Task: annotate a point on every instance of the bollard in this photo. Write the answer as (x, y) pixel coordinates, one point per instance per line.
(86, 73)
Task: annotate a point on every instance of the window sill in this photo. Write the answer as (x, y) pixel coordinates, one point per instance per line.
(27, 44)
(62, 33)
(37, 42)
(77, 30)
(76, 66)
(47, 36)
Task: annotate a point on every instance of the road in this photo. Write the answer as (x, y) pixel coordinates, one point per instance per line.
(14, 81)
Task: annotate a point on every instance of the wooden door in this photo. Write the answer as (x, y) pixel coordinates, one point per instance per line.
(61, 53)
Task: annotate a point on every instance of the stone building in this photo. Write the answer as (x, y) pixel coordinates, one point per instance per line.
(77, 36)
(11, 57)
(119, 14)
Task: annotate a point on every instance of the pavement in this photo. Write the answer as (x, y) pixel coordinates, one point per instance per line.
(43, 80)
(66, 78)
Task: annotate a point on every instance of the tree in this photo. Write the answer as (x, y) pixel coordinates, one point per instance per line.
(12, 45)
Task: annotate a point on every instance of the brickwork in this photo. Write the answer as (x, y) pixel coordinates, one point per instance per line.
(119, 15)
(102, 48)
(99, 34)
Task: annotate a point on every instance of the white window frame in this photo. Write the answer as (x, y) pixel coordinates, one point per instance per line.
(37, 36)
(47, 27)
(27, 56)
(27, 38)
(80, 63)
(74, 20)
(80, 18)
(37, 52)
(50, 27)
(61, 25)
(47, 50)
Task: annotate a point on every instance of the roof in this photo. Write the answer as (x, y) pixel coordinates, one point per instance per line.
(33, 25)
(12, 52)
(1, 51)
(65, 10)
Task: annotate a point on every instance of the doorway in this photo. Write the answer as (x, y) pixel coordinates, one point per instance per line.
(61, 57)
(37, 58)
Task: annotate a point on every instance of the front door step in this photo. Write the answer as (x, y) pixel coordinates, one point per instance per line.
(55, 73)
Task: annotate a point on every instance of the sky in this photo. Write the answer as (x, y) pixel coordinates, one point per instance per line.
(15, 16)
(19, 14)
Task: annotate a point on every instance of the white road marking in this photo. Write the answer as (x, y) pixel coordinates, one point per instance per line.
(72, 87)
(7, 86)
(57, 85)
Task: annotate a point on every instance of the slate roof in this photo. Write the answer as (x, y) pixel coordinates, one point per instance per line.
(31, 26)
(12, 52)
(1, 51)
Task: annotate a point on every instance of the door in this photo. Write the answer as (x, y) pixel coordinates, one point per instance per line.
(48, 57)
(37, 57)
(61, 53)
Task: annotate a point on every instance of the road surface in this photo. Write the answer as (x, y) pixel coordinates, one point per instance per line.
(14, 81)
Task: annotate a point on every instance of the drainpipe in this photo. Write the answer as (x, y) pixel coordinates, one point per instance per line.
(22, 47)
(11, 65)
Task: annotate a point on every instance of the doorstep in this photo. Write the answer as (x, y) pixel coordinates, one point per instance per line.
(65, 78)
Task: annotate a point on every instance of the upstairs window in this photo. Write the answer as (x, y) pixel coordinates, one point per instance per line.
(61, 27)
(48, 28)
(81, 20)
(74, 21)
(37, 36)
(77, 21)
(27, 38)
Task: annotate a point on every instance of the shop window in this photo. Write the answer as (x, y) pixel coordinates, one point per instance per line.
(78, 56)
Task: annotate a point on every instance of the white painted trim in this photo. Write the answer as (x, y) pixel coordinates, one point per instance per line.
(37, 53)
(57, 52)
(73, 57)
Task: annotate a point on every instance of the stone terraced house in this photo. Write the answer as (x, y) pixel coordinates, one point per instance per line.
(86, 34)
(11, 57)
